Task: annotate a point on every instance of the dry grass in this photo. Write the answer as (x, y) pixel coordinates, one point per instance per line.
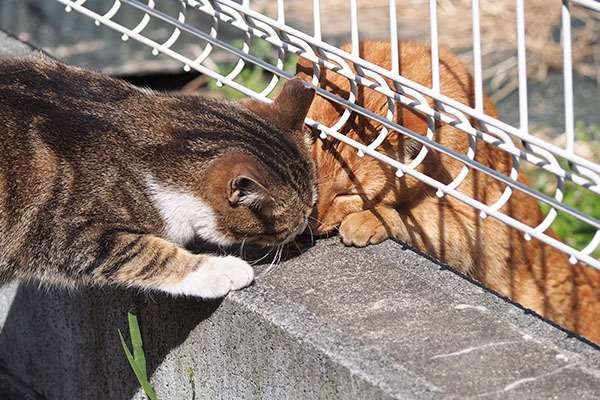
(499, 39)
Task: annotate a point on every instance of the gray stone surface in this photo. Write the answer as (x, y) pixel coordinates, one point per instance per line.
(10, 47)
(458, 337)
(332, 323)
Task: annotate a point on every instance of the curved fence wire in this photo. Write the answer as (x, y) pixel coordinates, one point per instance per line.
(239, 28)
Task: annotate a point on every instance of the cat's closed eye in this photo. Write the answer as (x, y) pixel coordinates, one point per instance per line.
(346, 197)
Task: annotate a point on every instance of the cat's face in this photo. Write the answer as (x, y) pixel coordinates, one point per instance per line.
(265, 195)
(253, 204)
(348, 184)
(247, 177)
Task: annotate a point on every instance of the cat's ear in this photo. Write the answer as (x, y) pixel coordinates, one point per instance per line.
(289, 108)
(304, 69)
(239, 179)
(293, 103)
(246, 190)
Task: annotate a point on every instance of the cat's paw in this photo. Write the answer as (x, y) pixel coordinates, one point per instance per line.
(215, 277)
(363, 228)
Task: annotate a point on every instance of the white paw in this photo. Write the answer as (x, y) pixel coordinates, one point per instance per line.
(215, 277)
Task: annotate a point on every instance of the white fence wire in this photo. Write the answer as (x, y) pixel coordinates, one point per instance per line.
(269, 24)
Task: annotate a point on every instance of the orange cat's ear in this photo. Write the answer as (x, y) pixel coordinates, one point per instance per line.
(412, 119)
(304, 69)
(245, 189)
(290, 106)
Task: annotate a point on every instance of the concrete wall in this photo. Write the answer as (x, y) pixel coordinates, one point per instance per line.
(75, 39)
(334, 322)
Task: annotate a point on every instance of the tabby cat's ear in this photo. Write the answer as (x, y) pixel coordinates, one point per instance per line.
(246, 190)
(290, 106)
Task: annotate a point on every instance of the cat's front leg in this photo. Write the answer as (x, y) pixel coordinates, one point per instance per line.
(150, 262)
(369, 226)
(213, 277)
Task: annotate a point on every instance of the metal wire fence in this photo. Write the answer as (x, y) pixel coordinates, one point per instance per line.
(239, 28)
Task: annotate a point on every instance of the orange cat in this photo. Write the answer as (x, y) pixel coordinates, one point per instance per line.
(367, 203)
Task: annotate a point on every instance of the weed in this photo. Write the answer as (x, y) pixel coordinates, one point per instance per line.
(138, 359)
(192, 382)
(253, 76)
(571, 230)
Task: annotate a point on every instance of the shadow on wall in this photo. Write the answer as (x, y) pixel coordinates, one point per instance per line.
(65, 345)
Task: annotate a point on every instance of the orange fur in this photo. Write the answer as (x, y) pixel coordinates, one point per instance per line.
(364, 199)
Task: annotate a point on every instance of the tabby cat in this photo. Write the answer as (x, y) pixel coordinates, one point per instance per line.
(367, 203)
(102, 182)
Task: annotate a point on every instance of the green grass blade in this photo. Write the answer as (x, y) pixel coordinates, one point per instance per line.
(192, 382)
(141, 377)
(136, 341)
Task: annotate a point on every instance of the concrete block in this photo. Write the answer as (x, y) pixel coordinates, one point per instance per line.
(11, 47)
(333, 323)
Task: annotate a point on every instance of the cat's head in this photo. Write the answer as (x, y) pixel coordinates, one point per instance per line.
(264, 192)
(349, 183)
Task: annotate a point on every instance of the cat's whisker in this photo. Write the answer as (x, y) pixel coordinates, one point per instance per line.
(270, 267)
(297, 247)
(254, 262)
(281, 255)
(319, 169)
(322, 165)
(310, 217)
(287, 253)
(312, 236)
(242, 248)
(324, 178)
(318, 221)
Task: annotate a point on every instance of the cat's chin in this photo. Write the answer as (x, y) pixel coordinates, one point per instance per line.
(299, 231)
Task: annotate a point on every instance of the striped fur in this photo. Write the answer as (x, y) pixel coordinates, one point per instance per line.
(101, 182)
